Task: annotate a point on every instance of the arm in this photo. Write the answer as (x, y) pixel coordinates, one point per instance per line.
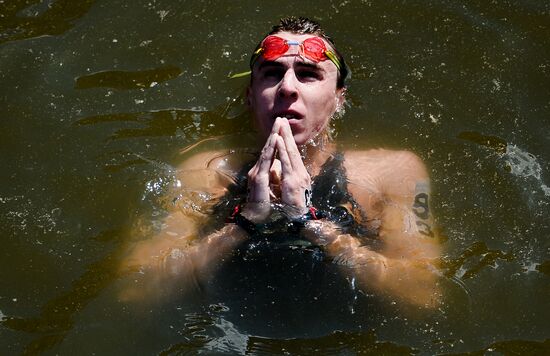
(175, 253)
(404, 265)
(201, 255)
(402, 268)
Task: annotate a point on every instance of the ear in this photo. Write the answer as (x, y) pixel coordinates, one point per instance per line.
(340, 98)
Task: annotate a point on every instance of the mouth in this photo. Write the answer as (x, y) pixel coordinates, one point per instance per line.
(289, 115)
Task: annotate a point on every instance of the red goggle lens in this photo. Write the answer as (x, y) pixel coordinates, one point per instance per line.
(312, 48)
(273, 47)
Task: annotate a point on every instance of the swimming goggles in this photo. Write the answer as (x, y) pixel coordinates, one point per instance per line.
(273, 47)
(312, 48)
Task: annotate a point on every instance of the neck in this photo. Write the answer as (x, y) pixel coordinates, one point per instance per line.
(315, 155)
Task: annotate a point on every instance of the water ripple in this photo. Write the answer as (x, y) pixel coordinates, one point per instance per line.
(118, 79)
(21, 21)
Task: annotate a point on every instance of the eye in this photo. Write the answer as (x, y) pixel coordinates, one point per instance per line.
(273, 73)
(308, 75)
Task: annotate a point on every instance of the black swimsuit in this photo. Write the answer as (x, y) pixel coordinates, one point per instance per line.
(330, 193)
(287, 278)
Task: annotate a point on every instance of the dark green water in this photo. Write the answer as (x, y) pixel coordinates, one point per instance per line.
(98, 98)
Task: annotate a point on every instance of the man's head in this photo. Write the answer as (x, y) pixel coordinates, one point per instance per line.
(305, 26)
(296, 73)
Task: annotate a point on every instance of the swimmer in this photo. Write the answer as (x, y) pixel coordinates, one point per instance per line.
(297, 85)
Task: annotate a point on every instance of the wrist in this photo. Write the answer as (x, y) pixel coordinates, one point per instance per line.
(321, 232)
(256, 212)
(279, 220)
(298, 201)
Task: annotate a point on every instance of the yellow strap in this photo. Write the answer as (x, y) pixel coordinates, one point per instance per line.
(240, 75)
(333, 58)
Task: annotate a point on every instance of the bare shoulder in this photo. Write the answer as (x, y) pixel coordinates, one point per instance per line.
(393, 186)
(384, 160)
(386, 171)
(225, 159)
(212, 170)
(218, 153)
(200, 160)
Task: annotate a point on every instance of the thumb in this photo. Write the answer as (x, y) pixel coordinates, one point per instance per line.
(275, 172)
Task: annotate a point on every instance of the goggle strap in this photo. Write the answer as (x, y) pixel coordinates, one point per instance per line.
(255, 56)
(332, 56)
(240, 75)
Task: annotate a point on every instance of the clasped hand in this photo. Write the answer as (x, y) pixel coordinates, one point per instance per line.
(279, 175)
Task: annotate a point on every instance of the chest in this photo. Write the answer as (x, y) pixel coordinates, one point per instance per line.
(340, 184)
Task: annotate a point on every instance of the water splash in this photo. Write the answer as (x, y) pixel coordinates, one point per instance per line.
(525, 165)
(520, 163)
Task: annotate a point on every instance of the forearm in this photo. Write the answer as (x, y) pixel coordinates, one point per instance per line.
(407, 277)
(176, 264)
(347, 251)
(216, 246)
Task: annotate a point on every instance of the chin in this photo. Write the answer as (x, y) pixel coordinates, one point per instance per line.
(301, 140)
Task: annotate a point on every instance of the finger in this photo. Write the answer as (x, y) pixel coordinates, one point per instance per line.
(286, 164)
(277, 125)
(258, 189)
(275, 170)
(258, 176)
(268, 154)
(296, 189)
(290, 144)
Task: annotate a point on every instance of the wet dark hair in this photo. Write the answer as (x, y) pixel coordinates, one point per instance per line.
(303, 25)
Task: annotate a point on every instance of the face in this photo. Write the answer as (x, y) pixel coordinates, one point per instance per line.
(294, 87)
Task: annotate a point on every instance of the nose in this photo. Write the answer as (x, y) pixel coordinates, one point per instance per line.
(288, 85)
